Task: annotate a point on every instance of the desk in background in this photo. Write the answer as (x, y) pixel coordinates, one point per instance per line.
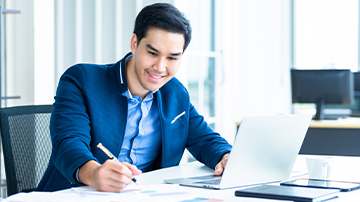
(333, 137)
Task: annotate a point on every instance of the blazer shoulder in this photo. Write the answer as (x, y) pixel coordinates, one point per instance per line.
(82, 71)
(174, 85)
(86, 67)
(174, 93)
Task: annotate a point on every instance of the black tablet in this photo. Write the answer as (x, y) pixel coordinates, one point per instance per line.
(327, 184)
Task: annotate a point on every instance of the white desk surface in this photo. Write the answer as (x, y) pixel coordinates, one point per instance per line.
(344, 168)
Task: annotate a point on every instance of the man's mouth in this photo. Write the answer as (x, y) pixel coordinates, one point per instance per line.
(154, 76)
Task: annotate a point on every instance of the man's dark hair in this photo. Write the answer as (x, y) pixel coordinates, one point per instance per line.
(163, 16)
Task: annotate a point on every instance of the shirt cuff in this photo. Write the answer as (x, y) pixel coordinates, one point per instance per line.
(77, 175)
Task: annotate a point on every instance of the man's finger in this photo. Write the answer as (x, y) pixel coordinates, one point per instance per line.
(133, 168)
(219, 169)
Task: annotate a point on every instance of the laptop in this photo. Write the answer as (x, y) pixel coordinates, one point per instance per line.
(264, 151)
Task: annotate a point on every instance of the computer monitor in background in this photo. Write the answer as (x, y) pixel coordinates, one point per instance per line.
(322, 87)
(357, 81)
(356, 107)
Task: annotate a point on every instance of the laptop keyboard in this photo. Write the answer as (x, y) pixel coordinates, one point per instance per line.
(214, 181)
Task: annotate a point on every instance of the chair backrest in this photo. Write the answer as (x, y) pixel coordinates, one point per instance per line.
(26, 141)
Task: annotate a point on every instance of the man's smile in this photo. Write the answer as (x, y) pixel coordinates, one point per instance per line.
(154, 76)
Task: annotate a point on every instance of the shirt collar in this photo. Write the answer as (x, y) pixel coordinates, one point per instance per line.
(148, 96)
(126, 60)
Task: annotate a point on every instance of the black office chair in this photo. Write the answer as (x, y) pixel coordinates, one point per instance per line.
(26, 141)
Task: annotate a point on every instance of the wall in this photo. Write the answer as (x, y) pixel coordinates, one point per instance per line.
(19, 53)
(91, 31)
(256, 58)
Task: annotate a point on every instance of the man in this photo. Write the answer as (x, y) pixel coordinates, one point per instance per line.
(135, 108)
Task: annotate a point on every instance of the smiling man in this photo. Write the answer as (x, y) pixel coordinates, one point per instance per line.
(135, 107)
(156, 59)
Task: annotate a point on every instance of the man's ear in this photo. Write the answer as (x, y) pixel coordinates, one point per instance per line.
(133, 44)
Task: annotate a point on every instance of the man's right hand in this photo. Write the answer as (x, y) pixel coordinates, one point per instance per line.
(111, 176)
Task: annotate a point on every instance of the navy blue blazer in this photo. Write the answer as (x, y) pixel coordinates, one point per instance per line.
(89, 108)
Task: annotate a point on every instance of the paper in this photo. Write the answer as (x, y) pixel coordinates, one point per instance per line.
(149, 190)
(86, 193)
(90, 190)
(158, 192)
(43, 197)
(155, 192)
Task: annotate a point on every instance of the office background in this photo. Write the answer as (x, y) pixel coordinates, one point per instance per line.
(238, 62)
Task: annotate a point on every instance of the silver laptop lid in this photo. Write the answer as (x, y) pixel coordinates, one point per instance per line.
(265, 149)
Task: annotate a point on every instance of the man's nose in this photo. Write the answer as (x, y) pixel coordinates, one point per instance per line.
(160, 64)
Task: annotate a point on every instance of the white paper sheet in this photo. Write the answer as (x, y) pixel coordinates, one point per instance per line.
(155, 192)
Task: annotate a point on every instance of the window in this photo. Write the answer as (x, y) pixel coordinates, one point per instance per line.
(201, 63)
(202, 60)
(325, 36)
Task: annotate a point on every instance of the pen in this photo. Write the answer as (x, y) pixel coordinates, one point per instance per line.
(111, 156)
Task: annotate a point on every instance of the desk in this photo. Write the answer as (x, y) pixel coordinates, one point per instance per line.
(333, 137)
(198, 169)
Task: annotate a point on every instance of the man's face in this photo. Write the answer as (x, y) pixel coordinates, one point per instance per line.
(157, 58)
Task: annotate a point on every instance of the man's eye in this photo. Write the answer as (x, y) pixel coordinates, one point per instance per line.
(152, 53)
(172, 58)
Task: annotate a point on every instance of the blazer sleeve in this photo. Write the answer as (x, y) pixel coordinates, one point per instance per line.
(70, 125)
(203, 143)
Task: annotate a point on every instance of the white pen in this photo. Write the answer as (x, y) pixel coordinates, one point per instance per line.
(111, 156)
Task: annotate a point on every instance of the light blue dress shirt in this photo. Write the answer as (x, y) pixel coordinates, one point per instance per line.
(142, 139)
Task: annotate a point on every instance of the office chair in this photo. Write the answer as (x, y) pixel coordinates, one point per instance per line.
(26, 141)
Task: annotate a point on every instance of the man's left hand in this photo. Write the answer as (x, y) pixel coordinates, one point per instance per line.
(219, 168)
